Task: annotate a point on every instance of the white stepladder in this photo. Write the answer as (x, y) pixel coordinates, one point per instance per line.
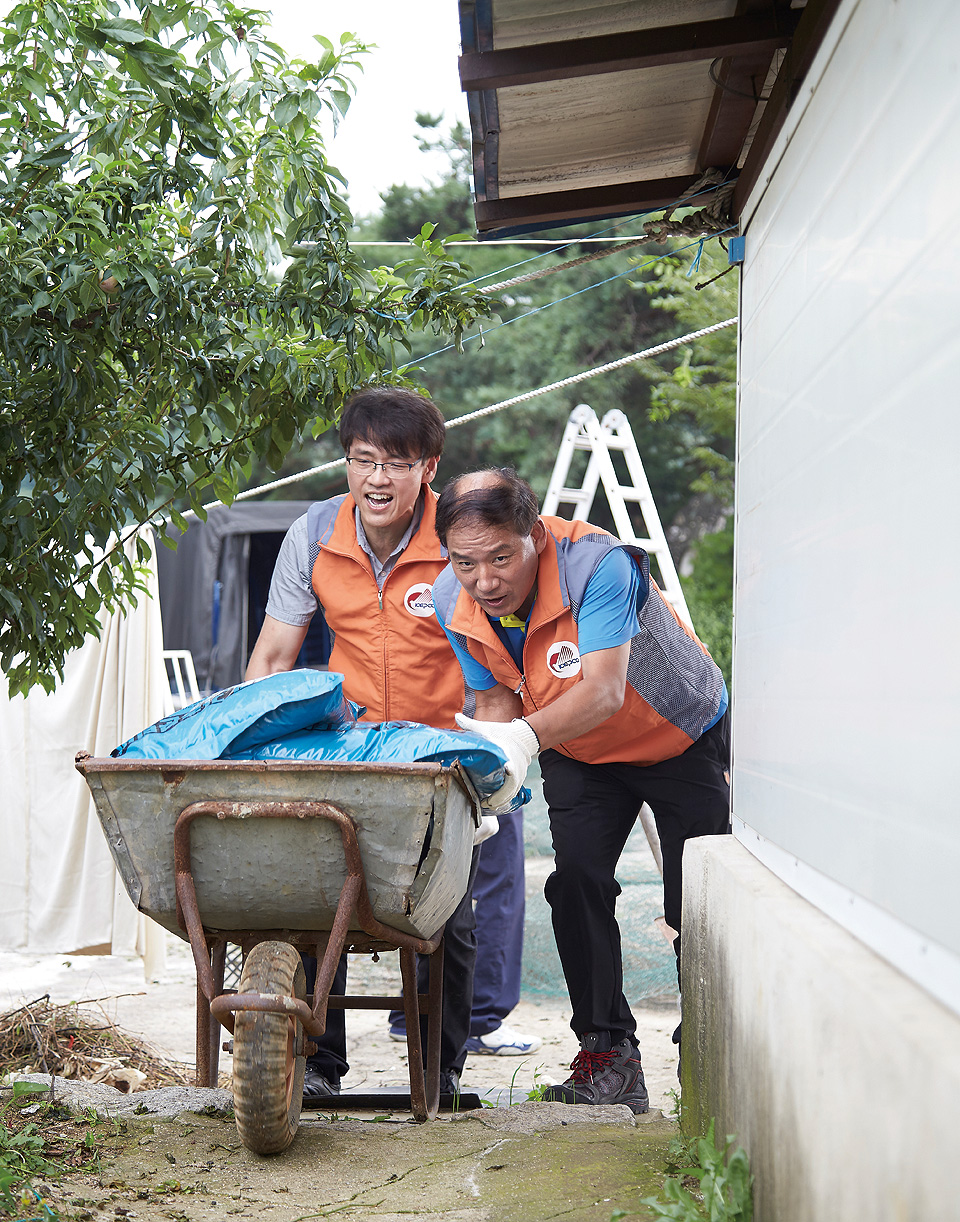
(585, 432)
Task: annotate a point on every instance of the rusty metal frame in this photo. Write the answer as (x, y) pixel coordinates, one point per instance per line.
(217, 1008)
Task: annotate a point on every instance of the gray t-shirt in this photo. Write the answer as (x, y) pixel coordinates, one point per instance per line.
(292, 599)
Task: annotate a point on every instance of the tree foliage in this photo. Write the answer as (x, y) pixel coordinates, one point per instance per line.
(681, 406)
(703, 382)
(703, 385)
(160, 157)
(445, 203)
(547, 329)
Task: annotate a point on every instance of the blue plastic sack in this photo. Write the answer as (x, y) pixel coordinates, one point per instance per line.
(241, 718)
(392, 742)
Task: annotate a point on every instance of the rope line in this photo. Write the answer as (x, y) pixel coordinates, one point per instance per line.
(562, 267)
(556, 244)
(657, 350)
(710, 220)
(718, 208)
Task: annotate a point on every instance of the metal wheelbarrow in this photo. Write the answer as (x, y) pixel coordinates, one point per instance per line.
(283, 857)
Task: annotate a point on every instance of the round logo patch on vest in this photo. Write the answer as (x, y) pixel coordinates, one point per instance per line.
(563, 659)
(418, 600)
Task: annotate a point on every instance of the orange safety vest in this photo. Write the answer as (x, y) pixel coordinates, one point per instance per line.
(387, 643)
(673, 688)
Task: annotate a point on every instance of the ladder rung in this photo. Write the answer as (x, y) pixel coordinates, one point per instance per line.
(604, 442)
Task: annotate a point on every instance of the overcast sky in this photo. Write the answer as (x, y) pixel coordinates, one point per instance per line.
(414, 68)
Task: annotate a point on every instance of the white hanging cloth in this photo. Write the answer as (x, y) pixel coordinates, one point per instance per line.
(59, 889)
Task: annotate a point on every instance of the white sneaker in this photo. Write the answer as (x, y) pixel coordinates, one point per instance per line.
(503, 1042)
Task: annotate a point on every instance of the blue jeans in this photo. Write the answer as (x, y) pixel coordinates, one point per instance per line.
(459, 958)
(499, 907)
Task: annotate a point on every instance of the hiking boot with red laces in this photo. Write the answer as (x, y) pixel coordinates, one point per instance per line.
(602, 1074)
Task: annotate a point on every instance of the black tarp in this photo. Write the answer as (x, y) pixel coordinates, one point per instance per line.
(213, 589)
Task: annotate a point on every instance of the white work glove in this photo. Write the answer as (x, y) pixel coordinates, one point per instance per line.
(489, 826)
(519, 740)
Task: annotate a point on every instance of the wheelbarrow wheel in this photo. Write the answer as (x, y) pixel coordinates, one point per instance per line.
(268, 1060)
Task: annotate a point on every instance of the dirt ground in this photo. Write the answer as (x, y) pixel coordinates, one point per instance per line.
(163, 1013)
(510, 1161)
(526, 1163)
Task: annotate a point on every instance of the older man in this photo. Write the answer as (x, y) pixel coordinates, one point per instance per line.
(575, 656)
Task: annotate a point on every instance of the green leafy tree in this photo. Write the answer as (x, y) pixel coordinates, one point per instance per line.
(552, 326)
(560, 324)
(445, 203)
(702, 382)
(161, 158)
(701, 385)
(680, 406)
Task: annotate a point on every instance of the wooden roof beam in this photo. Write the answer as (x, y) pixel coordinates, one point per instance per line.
(811, 31)
(734, 106)
(740, 82)
(695, 40)
(583, 203)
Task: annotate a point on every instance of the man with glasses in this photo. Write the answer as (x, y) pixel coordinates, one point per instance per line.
(369, 558)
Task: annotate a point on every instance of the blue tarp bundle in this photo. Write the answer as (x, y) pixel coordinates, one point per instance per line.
(303, 715)
(242, 717)
(391, 742)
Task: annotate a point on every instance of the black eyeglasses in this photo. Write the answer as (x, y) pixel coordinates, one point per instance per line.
(366, 466)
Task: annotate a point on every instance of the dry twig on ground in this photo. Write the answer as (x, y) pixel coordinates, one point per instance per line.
(71, 1042)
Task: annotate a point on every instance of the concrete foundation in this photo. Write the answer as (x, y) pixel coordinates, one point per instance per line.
(839, 1076)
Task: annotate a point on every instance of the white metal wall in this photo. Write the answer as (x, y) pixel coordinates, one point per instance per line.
(846, 675)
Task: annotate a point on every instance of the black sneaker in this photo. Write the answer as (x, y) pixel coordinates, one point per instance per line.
(318, 1090)
(604, 1075)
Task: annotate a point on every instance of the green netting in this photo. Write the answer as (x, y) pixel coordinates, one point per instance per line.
(649, 964)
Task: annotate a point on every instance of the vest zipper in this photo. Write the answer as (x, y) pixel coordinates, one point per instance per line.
(536, 707)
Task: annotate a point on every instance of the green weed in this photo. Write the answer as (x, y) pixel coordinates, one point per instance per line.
(39, 1143)
(539, 1089)
(708, 1182)
(21, 1150)
(523, 1096)
(513, 1084)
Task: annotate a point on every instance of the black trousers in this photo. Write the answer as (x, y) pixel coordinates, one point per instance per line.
(593, 808)
(459, 960)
